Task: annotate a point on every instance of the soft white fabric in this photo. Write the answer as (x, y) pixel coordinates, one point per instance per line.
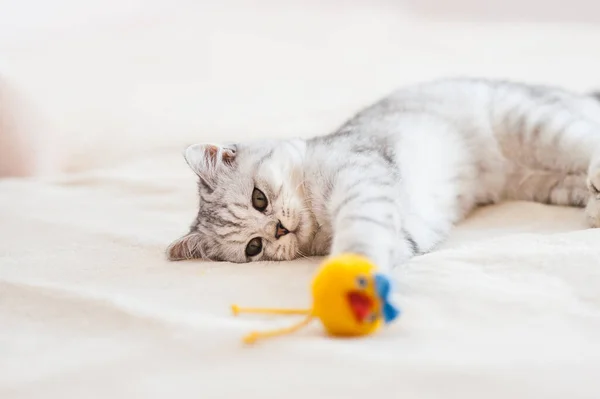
(509, 307)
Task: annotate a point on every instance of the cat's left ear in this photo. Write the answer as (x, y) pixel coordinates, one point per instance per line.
(207, 159)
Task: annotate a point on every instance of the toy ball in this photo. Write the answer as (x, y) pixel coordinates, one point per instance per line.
(348, 297)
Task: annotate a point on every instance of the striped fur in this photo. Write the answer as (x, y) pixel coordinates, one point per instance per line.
(392, 181)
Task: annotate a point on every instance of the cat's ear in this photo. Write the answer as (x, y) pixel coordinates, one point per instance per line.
(206, 159)
(186, 247)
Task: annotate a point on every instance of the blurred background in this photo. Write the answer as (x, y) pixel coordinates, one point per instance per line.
(96, 83)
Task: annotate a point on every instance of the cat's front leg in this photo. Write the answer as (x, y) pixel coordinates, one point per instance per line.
(366, 218)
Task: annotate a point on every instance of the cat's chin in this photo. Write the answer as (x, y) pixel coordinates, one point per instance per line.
(320, 246)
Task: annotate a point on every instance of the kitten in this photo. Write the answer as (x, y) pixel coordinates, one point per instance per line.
(393, 180)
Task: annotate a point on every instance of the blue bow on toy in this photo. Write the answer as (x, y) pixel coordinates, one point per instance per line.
(383, 288)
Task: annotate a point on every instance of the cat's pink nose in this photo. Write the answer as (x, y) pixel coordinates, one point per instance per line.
(280, 231)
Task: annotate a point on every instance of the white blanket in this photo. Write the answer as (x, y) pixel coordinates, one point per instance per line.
(509, 307)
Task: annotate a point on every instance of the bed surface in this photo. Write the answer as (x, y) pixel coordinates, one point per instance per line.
(508, 307)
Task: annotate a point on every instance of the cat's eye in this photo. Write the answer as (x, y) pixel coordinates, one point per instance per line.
(259, 200)
(254, 247)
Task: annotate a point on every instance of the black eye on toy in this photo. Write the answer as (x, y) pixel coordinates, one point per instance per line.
(372, 318)
(361, 282)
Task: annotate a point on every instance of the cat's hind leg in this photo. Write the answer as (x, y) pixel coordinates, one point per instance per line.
(555, 188)
(558, 154)
(548, 187)
(592, 210)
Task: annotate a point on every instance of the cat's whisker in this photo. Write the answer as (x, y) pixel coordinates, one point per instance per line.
(298, 252)
(300, 184)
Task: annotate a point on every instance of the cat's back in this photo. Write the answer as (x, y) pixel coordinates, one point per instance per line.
(468, 104)
(457, 102)
(454, 98)
(465, 98)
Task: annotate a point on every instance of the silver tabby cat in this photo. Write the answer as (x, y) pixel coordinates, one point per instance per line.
(392, 181)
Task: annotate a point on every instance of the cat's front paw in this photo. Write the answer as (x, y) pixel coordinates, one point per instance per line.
(593, 182)
(592, 210)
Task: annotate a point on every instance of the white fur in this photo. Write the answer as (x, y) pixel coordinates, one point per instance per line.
(393, 180)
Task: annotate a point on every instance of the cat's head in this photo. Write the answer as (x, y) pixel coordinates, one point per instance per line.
(252, 203)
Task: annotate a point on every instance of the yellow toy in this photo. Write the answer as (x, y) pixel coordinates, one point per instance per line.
(349, 298)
